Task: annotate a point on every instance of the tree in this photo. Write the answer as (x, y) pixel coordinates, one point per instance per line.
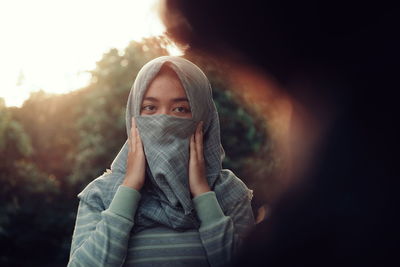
(26, 196)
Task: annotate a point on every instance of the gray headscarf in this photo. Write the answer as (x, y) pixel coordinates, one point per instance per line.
(166, 196)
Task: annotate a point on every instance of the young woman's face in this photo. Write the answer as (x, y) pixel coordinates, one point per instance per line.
(166, 95)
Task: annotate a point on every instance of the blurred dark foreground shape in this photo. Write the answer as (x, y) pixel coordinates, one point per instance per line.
(336, 61)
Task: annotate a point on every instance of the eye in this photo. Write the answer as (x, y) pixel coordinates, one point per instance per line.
(148, 108)
(182, 110)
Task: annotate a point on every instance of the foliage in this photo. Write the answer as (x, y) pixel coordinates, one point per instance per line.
(27, 195)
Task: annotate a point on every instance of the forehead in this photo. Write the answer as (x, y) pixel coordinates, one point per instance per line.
(165, 83)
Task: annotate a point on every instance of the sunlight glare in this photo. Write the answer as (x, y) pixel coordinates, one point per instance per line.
(49, 45)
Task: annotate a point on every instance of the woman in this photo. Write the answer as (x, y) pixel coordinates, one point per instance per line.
(166, 200)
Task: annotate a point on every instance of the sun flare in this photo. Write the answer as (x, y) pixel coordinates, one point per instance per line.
(50, 45)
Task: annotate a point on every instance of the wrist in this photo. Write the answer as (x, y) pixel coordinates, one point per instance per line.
(200, 189)
(132, 184)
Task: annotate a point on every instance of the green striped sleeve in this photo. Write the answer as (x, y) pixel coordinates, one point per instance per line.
(125, 202)
(207, 208)
(101, 236)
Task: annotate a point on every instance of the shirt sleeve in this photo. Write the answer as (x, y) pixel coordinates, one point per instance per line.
(101, 237)
(221, 234)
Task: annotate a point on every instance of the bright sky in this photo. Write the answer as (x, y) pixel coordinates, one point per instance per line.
(49, 44)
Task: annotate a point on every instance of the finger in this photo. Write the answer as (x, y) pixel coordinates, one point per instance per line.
(199, 141)
(134, 125)
(138, 144)
(133, 134)
(129, 143)
(192, 146)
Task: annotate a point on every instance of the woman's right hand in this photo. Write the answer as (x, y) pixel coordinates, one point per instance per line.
(136, 162)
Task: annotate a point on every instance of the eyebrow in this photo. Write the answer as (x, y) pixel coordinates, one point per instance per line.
(179, 99)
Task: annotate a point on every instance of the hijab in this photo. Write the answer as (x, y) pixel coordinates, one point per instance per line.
(165, 197)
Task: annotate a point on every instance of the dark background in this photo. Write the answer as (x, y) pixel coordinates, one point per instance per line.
(339, 61)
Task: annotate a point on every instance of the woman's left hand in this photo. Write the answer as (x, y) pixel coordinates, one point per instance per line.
(197, 172)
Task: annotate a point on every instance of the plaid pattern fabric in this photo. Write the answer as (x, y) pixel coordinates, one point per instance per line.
(167, 154)
(166, 196)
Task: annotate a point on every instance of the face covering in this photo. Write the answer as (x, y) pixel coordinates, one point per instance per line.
(165, 198)
(166, 145)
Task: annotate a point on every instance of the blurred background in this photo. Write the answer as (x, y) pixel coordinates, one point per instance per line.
(66, 70)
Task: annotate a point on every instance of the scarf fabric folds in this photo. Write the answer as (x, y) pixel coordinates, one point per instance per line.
(166, 198)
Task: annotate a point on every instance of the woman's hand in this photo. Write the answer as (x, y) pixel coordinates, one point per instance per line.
(197, 172)
(136, 162)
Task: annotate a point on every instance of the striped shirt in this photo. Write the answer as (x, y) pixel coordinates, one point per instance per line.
(104, 237)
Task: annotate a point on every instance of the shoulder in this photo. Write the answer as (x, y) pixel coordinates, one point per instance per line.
(100, 192)
(230, 190)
